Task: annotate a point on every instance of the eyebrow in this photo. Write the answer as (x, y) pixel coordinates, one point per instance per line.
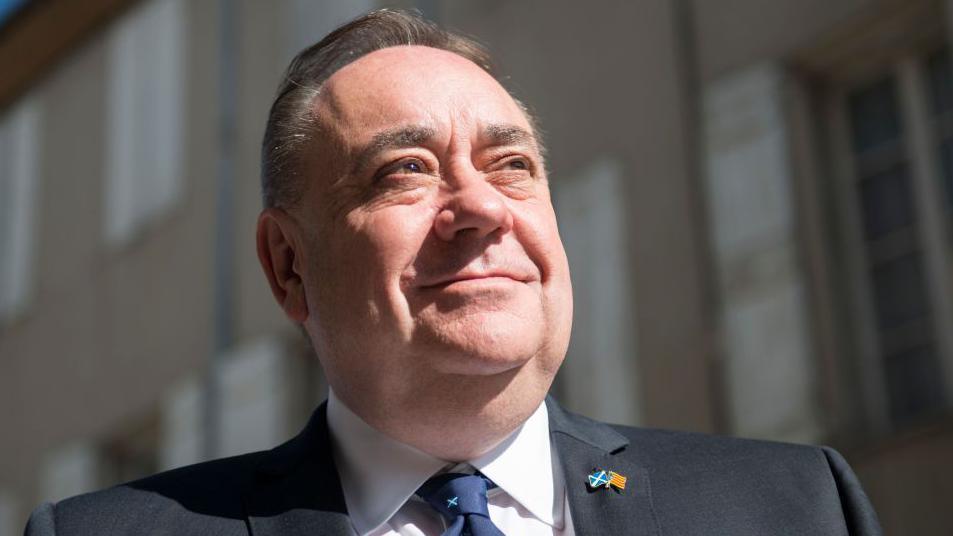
(395, 138)
(502, 134)
(417, 135)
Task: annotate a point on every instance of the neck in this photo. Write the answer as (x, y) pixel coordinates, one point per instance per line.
(456, 418)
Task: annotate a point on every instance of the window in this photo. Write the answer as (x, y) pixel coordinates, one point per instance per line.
(893, 252)
(126, 453)
(768, 364)
(130, 452)
(940, 74)
(70, 469)
(900, 144)
(145, 102)
(602, 350)
(9, 512)
(19, 146)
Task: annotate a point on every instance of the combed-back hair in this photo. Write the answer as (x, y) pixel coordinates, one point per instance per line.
(291, 121)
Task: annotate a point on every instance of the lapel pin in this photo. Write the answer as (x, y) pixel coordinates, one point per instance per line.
(599, 478)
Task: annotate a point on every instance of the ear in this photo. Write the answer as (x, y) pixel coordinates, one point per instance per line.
(281, 252)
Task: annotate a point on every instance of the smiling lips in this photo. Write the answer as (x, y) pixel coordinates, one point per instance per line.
(476, 277)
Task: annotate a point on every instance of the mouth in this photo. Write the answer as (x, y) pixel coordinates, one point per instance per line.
(468, 279)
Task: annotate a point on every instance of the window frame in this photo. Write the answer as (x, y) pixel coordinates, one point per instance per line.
(921, 151)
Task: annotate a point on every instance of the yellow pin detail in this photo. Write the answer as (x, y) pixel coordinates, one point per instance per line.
(616, 480)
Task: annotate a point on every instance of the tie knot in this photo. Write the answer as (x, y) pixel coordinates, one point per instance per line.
(456, 494)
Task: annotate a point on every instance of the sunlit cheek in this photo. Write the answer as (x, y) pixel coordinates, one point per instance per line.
(539, 235)
(396, 237)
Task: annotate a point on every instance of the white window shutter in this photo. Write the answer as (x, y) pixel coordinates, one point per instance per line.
(770, 371)
(145, 123)
(19, 183)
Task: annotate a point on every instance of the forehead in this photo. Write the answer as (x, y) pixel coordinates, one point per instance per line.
(414, 85)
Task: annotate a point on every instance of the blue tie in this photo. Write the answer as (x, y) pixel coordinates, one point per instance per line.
(461, 500)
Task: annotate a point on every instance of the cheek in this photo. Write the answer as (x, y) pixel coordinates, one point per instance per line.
(392, 238)
(539, 235)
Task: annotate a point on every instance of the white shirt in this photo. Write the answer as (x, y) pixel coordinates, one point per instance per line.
(379, 478)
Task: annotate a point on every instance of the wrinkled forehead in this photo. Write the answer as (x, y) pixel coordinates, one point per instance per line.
(414, 85)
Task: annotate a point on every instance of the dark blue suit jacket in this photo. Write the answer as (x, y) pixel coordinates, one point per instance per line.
(678, 484)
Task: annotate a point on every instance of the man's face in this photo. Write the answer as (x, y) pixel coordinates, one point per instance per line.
(432, 248)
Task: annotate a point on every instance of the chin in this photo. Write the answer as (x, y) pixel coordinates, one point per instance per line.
(482, 346)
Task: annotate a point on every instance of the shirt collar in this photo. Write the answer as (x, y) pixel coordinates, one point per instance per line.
(378, 474)
(523, 467)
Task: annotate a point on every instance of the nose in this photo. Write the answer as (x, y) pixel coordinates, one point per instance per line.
(475, 207)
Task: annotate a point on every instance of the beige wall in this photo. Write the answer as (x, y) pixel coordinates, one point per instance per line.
(732, 34)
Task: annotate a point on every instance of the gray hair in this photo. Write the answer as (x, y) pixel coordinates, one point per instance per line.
(291, 123)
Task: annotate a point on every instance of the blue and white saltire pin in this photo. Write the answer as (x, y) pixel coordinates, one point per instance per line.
(598, 479)
(451, 502)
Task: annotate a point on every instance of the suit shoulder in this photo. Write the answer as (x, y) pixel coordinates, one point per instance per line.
(198, 498)
(754, 481)
(695, 444)
(660, 447)
(696, 461)
(688, 458)
(749, 483)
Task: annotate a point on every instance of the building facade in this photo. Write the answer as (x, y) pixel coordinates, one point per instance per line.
(756, 197)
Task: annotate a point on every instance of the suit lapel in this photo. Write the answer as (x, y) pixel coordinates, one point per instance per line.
(584, 445)
(298, 491)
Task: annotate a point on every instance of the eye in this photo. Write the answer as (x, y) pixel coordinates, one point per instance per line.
(518, 163)
(407, 166)
(411, 166)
